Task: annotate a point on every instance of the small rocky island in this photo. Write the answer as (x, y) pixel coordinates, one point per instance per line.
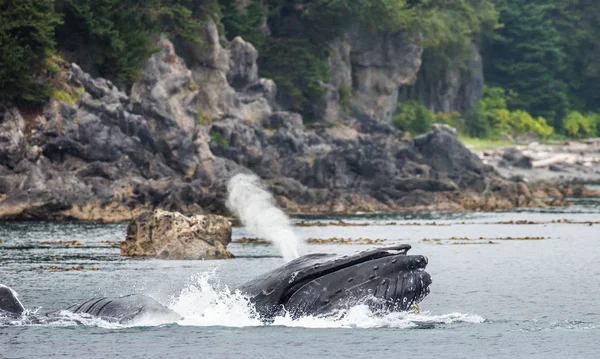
(171, 235)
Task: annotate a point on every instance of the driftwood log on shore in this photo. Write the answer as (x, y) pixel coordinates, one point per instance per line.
(573, 161)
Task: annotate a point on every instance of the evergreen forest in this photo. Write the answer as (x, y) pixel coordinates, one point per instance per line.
(541, 57)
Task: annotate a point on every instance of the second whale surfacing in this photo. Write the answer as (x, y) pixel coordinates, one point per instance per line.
(385, 279)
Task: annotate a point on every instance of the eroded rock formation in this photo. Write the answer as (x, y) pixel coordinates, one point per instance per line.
(171, 235)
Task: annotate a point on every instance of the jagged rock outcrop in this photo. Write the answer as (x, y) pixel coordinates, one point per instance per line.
(110, 157)
(107, 156)
(12, 136)
(344, 169)
(227, 78)
(171, 235)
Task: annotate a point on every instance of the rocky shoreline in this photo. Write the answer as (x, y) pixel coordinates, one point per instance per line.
(576, 161)
(188, 125)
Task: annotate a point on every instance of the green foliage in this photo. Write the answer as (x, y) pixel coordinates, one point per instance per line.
(482, 120)
(578, 26)
(297, 69)
(414, 117)
(51, 65)
(527, 57)
(577, 125)
(594, 119)
(491, 117)
(453, 119)
(114, 38)
(345, 94)
(203, 118)
(69, 95)
(245, 22)
(522, 122)
(386, 15)
(449, 30)
(219, 139)
(477, 123)
(26, 41)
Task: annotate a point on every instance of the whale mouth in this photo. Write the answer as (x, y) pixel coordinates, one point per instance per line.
(340, 263)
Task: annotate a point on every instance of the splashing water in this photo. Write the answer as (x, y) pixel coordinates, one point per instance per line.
(253, 204)
(206, 303)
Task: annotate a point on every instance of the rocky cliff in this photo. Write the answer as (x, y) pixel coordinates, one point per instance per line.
(109, 156)
(456, 89)
(370, 66)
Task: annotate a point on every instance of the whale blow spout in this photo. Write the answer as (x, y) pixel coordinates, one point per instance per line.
(254, 206)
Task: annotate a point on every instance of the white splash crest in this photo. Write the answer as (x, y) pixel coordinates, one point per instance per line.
(206, 303)
(254, 206)
(203, 303)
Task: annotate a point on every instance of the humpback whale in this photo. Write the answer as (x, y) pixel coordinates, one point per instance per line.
(315, 284)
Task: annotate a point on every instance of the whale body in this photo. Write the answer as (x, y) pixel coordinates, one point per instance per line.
(385, 279)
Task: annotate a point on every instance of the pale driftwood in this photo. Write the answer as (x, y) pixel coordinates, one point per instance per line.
(558, 159)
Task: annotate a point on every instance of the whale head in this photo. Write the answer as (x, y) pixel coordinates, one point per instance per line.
(317, 284)
(9, 302)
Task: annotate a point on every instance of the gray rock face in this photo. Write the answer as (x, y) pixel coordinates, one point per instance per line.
(243, 70)
(458, 90)
(12, 137)
(171, 235)
(166, 97)
(107, 156)
(111, 157)
(342, 169)
(228, 78)
(373, 65)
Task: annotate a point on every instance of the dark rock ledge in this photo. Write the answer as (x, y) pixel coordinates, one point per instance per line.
(110, 156)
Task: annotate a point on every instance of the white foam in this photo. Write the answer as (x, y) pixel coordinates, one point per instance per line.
(204, 302)
(254, 206)
(362, 317)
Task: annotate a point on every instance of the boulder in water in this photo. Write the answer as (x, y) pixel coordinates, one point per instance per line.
(171, 235)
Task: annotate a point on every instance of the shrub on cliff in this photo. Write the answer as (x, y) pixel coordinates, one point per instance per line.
(26, 43)
(414, 118)
(491, 117)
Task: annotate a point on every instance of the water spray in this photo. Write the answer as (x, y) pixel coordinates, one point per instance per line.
(254, 206)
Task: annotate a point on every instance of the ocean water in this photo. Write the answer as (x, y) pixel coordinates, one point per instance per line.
(535, 295)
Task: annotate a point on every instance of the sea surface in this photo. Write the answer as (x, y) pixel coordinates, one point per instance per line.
(520, 284)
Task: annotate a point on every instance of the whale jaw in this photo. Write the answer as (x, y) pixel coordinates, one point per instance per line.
(318, 284)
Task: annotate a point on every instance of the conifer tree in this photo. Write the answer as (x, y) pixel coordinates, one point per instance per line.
(26, 42)
(526, 57)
